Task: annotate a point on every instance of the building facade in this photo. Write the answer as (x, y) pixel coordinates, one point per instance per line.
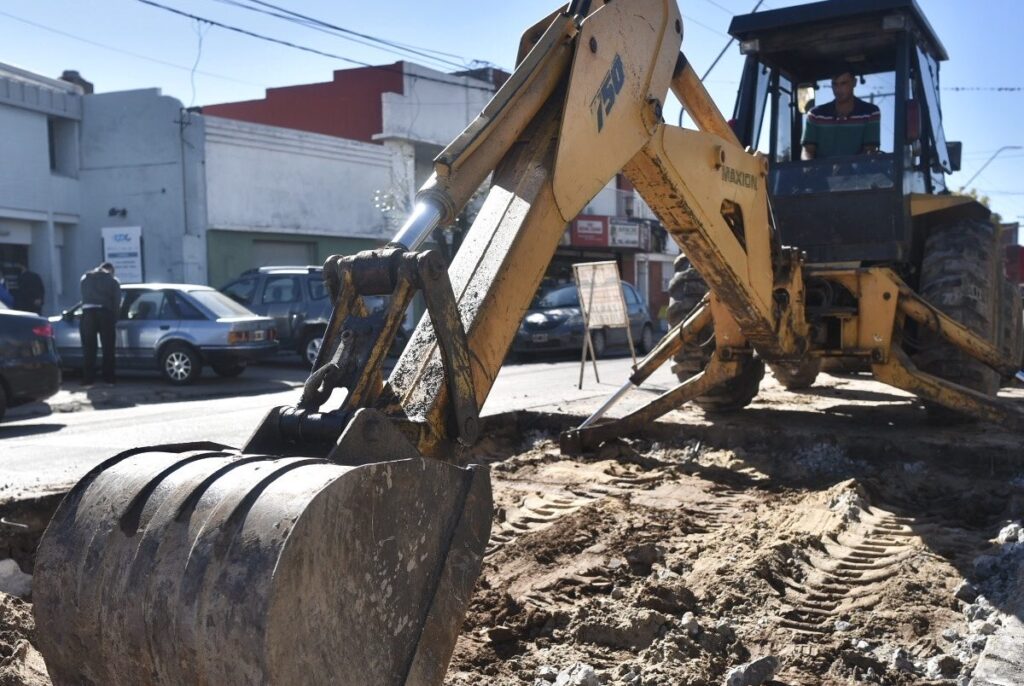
(40, 209)
(415, 112)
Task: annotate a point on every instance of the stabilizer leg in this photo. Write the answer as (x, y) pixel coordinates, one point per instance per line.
(575, 441)
(900, 372)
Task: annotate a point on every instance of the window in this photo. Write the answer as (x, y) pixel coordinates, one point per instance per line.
(317, 288)
(241, 291)
(631, 297)
(280, 289)
(150, 305)
(186, 310)
(62, 139)
(219, 304)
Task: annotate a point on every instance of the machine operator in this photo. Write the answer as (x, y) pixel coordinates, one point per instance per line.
(845, 126)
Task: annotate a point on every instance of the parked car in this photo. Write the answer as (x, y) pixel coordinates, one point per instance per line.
(29, 365)
(555, 322)
(176, 329)
(297, 299)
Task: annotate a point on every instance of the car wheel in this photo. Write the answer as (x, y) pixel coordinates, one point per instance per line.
(179, 364)
(311, 346)
(646, 341)
(3, 401)
(228, 369)
(597, 338)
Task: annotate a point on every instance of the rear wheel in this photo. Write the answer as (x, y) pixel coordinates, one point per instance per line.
(798, 375)
(646, 341)
(180, 364)
(960, 276)
(687, 289)
(311, 346)
(600, 343)
(1011, 325)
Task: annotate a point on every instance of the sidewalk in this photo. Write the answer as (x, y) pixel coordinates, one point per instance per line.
(140, 388)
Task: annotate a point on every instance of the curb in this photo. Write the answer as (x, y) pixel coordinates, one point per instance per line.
(98, 398)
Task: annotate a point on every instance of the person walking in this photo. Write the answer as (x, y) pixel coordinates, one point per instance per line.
(31, 292)
(101, 301)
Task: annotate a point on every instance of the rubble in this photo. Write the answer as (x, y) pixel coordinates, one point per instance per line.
(753, 673)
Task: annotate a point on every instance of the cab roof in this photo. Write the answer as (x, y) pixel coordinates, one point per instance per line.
(821, 39)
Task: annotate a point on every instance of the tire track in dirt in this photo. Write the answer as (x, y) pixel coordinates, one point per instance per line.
(850, 575)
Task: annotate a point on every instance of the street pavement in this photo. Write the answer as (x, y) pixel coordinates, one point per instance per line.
(48, 446)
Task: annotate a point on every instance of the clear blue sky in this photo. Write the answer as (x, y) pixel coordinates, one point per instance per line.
(124, 44)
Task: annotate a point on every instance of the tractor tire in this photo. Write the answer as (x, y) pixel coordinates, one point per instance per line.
(798, 375)
(1010, 334)
(960, 276)
(686, 290)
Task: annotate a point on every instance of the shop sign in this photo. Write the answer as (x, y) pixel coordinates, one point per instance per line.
(630, 234)
(122, 247)
(590, 232)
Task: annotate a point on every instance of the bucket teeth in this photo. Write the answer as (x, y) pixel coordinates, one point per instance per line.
(216, 567)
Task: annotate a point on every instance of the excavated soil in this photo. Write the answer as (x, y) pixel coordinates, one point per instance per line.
(677, 563)
(653, 564)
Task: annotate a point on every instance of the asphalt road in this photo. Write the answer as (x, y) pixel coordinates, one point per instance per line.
(45, 453)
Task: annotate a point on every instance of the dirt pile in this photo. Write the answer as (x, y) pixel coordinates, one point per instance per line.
(654, 564)
(20, 663)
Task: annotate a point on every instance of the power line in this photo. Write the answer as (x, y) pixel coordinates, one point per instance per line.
(721, 7)
(999, 89)
(129, 53)
(322, 53)
(703, 25)
(341, 32)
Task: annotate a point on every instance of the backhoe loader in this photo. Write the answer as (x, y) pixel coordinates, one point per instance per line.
(341, 544)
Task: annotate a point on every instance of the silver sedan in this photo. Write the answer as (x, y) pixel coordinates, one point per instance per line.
(176, 329)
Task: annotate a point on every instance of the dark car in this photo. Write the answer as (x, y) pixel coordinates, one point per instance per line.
(176, 329)
(297, 299)
(555, 322)
(29, 365)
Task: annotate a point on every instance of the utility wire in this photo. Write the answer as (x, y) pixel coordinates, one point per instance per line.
(721, 7)
(340, 32)
(404, 46)
(130, 53)
(999, 89)
(304, 48)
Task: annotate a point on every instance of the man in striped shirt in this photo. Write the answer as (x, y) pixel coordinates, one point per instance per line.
(845, 126)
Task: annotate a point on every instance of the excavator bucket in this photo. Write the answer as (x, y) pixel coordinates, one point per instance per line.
(205, 565)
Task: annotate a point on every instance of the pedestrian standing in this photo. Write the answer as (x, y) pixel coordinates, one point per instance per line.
(30, 293)
(101, 302)
(5, 295)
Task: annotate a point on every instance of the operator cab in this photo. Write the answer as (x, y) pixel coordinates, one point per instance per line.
(855, 207)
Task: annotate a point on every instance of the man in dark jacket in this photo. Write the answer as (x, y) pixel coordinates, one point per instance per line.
(30, 293)
(101, 302)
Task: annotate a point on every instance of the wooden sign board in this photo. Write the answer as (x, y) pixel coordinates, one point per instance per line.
(600, 292)
(603, 306)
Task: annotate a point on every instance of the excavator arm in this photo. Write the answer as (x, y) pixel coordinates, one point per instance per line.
(342, 544)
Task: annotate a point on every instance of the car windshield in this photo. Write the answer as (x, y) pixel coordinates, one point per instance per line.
(220, 304)
(565, 296)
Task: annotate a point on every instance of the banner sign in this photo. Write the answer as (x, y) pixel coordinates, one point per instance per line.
(601, 296)
(590, 232)
(122, 247)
